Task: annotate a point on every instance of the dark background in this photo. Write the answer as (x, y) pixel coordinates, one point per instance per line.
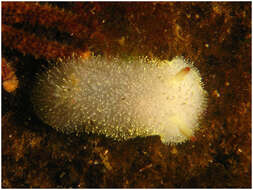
(215, 36)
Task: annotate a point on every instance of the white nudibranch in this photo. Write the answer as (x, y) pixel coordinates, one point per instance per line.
(122, 98)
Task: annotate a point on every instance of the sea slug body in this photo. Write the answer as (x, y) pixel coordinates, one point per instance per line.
(122, 98)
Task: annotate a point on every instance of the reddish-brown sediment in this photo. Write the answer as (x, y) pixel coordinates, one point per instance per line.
(216, 36)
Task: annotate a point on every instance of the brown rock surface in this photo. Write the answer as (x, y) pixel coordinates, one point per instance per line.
(215, 36)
